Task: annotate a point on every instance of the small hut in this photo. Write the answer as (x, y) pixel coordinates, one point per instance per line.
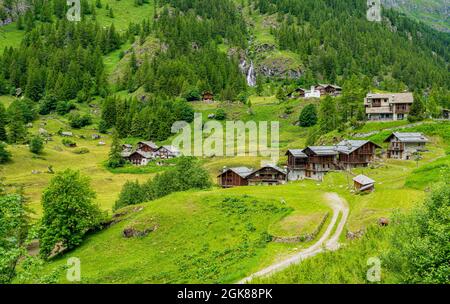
(363, 183)
(207, 96)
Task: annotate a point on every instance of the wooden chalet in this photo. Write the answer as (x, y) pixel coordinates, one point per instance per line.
(167, 152)
(208, 96)
(321, 159)
(268, 175)
(298, 93)
(329, 89)
(147, 146)
(405, 145)
(234, 177)
(296, 165)
(363, 183)
(138, 158)
(356, 153)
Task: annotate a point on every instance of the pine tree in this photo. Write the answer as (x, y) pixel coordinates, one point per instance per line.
(417, 112)
(115, 159)
(3, 122)
(328, 116)
(308, 116)
(17, 131)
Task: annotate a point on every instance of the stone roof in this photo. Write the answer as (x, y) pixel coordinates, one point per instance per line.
(364, 180)
(171, 149)
(297, 153)
(350, 146)
(150, 144)
(273, 167)
(241, 171)
(147, 155)
(323, 150)
(409, 137)
(394, 97)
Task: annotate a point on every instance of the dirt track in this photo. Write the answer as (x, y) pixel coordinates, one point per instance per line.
(326, 241)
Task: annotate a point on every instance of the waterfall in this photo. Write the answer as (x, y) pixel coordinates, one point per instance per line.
(251, 77)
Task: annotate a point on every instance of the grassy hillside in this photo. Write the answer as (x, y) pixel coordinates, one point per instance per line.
(214, 236)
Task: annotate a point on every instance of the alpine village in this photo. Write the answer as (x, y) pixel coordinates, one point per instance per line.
(99, 106)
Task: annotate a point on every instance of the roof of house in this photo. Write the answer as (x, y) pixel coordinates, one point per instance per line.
(323, 150)
(409, 137)
(171, 149)
(147, 155)
(394, 97)
(329, 85)
(150, 144)
(297, 153)
(125, 154)
(364, 180)
(350, 146)
(241, 171)
(273, 167)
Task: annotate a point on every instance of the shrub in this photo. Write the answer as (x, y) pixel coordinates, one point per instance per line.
(64, 107)
(82, 150)
(103, 127)
(221, 114)
(69, 212)
(308, 116)
(36, 144)
(78, 121)
(47, 104)
(68, 143)
(5, 155)
(419, 251)
(132, 193)
(188, 174)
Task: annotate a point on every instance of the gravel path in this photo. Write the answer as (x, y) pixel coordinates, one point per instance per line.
(326, 242)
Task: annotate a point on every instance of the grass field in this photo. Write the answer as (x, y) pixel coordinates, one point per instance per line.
(214, 236)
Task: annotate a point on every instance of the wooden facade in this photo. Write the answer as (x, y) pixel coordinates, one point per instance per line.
(230, 178)
(166, 152)
(138, 158)
(359, 157)
(147, 146)
(296, 162)
(207, 96)
(267, 175)
(363, 183)
(328, 89)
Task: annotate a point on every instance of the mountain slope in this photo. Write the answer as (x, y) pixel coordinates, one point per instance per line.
(433, 12)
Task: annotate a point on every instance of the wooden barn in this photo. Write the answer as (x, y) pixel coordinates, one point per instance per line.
(147, 146)
(321, 159)
(268, 175)
(405, 145)
(138, 158)
(208, 96)
(298, 93)
(296, 165)
(234, 177)
(167, 152)
(329, 89)
(363, 183)
(356, 153)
